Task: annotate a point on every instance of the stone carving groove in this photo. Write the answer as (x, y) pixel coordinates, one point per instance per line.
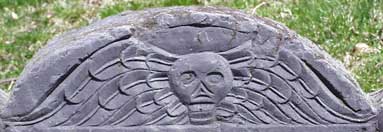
(195, 69)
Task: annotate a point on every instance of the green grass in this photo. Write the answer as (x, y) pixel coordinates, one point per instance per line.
(336, 25)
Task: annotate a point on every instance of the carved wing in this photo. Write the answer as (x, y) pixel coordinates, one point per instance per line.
(282, 90)
(122, 84)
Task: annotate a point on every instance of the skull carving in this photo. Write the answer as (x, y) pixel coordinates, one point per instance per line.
(201, 81)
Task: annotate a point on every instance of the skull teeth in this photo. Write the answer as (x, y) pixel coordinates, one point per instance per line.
(201, 107)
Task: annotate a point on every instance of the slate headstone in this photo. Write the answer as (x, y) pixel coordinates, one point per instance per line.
(186, 69)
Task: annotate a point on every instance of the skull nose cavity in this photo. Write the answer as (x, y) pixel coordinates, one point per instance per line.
(202, 91)
(202, 95)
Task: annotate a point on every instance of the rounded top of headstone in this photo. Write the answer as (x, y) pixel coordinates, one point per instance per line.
(259, 53)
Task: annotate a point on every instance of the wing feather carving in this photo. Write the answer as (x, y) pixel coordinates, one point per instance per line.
(115, 86)
(284, 90)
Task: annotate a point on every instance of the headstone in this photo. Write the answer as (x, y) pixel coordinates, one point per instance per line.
(186, 69)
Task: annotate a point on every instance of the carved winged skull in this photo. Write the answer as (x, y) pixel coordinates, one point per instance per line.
(131, 83)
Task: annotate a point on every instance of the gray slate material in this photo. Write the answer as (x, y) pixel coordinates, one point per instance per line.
(186, 69)
(3, 98)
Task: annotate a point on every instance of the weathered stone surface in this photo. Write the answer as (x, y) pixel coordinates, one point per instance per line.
(377, 98)
(189, 69)
(3, 98)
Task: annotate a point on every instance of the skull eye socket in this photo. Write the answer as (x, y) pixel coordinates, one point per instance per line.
(214, 77)
(187, 77)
